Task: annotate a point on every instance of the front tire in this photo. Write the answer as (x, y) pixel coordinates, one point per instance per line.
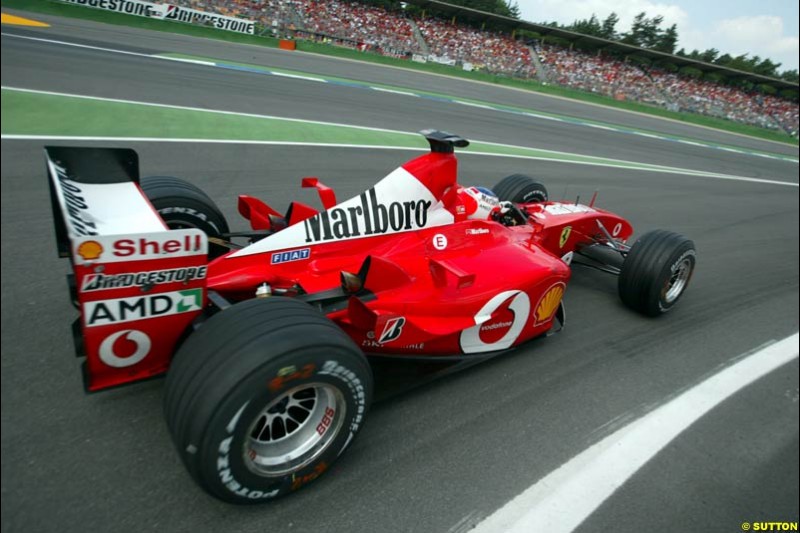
(264, 397)
(656, 272)
(520, 189)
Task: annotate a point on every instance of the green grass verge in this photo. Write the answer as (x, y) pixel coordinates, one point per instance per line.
(40, 114)
(25, 113)
(68, 10)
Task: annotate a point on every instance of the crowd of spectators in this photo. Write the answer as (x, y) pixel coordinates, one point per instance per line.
(715, 99)
(350, 23)
(487, 51)
(623, 80)
(597, 74)
(373, 27)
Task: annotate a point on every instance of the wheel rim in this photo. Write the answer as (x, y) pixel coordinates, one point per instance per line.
(677, 281)
(294, 429)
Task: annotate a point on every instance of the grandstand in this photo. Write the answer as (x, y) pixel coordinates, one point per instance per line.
(613, 69)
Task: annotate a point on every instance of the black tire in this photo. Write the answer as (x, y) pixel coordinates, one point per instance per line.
(656, 272)
(274, 353)
(183, 205)
(520, 189)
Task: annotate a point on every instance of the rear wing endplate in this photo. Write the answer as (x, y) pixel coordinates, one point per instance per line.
(137, 284)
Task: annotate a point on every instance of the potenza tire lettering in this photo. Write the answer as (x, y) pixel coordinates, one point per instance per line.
(269, 416)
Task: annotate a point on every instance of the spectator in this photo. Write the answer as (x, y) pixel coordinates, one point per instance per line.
(619, 79)
(364, 27)
(492, 52)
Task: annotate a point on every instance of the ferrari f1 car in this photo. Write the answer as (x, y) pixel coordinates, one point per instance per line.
(265, 334)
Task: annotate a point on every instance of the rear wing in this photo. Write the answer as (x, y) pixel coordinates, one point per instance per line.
(137, 284)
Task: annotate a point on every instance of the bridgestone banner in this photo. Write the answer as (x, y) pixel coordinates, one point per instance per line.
(221, 22)
(170, 12)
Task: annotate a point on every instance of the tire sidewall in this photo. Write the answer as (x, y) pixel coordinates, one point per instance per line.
(223, 467)
(682, 252)
(188, 212)
(535, 193)
(520, 189)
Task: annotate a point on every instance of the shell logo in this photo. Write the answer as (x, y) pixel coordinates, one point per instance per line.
(90, 250)
(548, 304)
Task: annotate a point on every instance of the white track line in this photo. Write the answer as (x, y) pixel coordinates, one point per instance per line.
(498, 108)
(76, 45)
(621, 165)
(562, 500)
(201, 110)
(565, 156)
(296, 76)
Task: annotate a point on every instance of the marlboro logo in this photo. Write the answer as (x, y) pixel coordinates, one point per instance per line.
(366, 217)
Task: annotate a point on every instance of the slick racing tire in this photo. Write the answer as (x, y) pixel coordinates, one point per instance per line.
(181, 205)
(656, 272)
(520, 189)
(264, 397)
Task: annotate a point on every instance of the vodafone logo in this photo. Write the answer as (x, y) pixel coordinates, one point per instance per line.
(125, 348)
(498, 323)
(495, 330)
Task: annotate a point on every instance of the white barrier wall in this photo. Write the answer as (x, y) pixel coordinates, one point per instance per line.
(171, 12)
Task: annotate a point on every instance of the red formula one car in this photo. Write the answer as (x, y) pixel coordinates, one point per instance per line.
(265, 343)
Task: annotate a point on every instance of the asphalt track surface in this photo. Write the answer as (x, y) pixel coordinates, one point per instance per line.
(441, 457)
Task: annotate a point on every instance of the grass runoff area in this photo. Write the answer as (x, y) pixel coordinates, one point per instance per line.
(28, 112)
(68, 10)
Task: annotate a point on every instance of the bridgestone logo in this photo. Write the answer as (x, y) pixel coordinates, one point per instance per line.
(171, 12)
(182, 14)
(143, 9)
(366, 218)
(98, 282)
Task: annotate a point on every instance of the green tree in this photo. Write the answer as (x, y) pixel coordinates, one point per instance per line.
(709, 56)
(497, 7)
(767, 68)
(668, 40)
(513, 8)
(651, 32)
(646, 32)
(634, 35)
(724, 60)
(790, 75)
(589, 26)
(608, 29)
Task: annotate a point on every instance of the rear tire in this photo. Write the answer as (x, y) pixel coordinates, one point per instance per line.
(656, 272)
(264, 397)
(520, 189)
(182, 205)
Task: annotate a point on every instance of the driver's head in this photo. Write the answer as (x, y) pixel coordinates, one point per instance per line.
(478, 202)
